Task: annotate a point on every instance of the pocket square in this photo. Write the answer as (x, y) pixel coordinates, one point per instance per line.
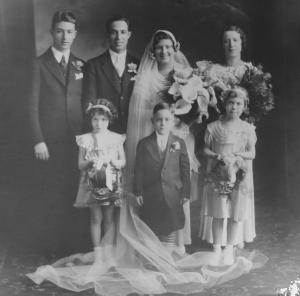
(78, 76)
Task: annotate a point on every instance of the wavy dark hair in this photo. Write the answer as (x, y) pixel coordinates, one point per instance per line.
(115, 19)
(162, 106)
(63, 16)
(92, 110)
(239, 30)
(161, 36)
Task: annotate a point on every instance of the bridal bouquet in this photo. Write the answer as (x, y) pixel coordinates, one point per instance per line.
(253, 79)
(188, 94)
(227, 174)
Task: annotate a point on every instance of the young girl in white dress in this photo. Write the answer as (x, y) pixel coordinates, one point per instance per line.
(230, 149)
(101, 158)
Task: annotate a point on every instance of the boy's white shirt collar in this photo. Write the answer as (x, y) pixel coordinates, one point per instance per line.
(162, 140)
(58, 54)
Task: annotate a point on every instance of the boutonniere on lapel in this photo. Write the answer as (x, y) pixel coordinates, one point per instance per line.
(78, 66)
(132, 68)
(175, 146)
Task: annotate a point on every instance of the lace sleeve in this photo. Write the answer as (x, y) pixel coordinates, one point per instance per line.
(85, 141)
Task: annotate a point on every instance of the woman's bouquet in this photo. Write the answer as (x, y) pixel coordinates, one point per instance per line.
(253, 79)
(227, 174)
(259, 87)
(188, 94)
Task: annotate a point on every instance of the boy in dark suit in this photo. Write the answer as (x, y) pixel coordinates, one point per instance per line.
(162, 176)
(111, 74)
(55, 117)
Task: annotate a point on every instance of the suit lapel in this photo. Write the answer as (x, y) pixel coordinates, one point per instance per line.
(71, 68)
(153, 147)
(167, 152)
(54, 67)
(126, 75)
(110, 72)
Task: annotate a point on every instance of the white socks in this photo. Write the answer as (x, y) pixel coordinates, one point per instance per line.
(225, 257)
(216, 256)
(228, 256)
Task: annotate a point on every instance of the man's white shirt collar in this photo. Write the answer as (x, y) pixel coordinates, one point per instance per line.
(58, 54)
(117, 56)
(118, 60)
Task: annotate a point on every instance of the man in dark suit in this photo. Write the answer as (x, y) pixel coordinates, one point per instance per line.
(55, 117)
(111, 74)
(162, 176)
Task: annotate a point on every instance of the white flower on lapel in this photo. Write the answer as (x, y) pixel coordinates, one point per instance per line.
(175, 146)
(78, 75)
(132, 68)
(78, 64)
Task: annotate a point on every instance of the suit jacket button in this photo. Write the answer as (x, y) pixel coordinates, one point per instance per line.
(122, 98)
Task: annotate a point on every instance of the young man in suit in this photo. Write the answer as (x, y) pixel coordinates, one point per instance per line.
(55, 117)
(162, 177)
(111, 74)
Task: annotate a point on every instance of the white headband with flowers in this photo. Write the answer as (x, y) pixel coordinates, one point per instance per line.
(91, 106)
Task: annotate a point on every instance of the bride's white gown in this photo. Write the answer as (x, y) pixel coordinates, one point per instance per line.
(138, 262)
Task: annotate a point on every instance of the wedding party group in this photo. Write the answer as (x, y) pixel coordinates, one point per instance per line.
(115, 135)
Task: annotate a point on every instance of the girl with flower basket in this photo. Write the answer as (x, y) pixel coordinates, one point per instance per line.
(230, 149)
(101, 158)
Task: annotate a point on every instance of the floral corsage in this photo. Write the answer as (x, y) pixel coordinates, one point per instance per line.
(132, 68)
(78, 64)
(175, 146)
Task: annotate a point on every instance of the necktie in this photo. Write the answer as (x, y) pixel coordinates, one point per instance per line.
(63, 65)
(118, 65)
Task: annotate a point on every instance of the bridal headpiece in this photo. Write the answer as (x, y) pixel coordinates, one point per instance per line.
(170, 34)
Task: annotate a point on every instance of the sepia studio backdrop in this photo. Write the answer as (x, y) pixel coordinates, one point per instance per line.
(273, 31)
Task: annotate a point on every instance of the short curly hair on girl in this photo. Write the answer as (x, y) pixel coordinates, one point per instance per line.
(236, 92)
(101, 107)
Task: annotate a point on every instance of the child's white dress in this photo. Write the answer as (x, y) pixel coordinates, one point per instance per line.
(224, 141)
(107, 148)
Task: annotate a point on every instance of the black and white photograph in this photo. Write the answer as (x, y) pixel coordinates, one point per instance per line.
(150, 147)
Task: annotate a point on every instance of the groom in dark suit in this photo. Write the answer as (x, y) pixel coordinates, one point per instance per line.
(111, 74)
(55, 117)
